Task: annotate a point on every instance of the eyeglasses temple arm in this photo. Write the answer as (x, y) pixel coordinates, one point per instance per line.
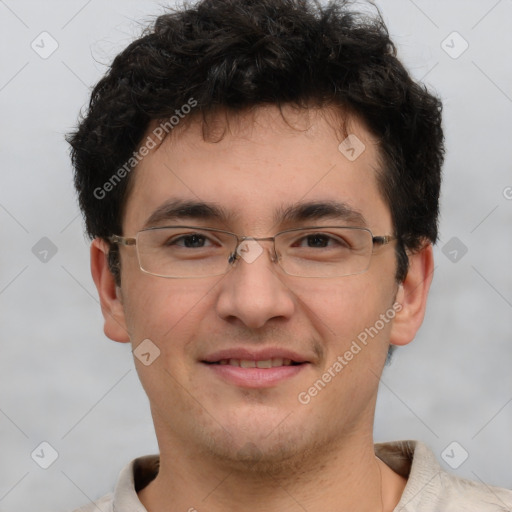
(383, 240)
(116, 239)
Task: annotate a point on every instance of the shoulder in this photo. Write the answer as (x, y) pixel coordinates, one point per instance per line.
(450, 493)
(462, 494)
(432, 489)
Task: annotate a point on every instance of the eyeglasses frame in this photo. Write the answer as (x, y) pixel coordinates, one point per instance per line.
(380, 240)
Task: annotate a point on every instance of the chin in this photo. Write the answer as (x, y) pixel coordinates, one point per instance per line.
(261, 447)
(258, 458)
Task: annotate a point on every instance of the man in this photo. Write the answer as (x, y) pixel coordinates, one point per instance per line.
(261, 180)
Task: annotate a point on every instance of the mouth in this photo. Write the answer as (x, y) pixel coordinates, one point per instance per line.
(255, 370)
(250, 363)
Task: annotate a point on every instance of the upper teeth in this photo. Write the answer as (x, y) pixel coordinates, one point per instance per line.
(268, 363)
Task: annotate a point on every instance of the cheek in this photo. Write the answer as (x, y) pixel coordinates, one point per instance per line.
(348, 305)
(165, 309)
(168, 313)
(347, 316)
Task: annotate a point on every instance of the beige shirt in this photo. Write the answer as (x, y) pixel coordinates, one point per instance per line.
(429, 488)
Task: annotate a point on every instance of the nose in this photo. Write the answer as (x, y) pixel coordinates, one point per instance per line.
(253, 292)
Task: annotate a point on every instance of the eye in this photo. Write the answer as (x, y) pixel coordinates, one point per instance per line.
(320, 240)
(189, 241)
(317, 240)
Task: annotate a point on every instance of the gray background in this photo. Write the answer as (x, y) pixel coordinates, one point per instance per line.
(63, 382)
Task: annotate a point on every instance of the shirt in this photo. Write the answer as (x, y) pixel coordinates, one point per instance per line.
(429, 488)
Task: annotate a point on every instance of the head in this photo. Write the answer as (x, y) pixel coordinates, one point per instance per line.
(243, 106)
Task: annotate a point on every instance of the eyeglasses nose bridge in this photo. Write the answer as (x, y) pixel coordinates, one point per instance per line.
(235, 255)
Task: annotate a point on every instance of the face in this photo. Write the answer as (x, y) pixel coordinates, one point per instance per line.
(256, 312)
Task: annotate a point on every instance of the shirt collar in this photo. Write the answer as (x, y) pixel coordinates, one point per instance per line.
(134, 477)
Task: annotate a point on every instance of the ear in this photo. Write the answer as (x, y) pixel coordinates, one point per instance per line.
(412, 296)
(109, 293)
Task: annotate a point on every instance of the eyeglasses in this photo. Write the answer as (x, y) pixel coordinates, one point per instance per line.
(195, 252)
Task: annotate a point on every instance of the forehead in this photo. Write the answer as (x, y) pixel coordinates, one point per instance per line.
(257, 166)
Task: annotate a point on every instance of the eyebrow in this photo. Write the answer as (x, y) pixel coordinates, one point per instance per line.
(178, 209)
(318, 210)
(185, 210)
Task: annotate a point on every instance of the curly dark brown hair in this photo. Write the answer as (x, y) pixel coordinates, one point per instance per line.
(238, 54)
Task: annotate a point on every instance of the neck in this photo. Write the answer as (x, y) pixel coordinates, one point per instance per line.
(347, 478)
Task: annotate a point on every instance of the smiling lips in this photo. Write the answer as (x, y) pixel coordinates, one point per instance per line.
(255, 369)
(247, 363)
